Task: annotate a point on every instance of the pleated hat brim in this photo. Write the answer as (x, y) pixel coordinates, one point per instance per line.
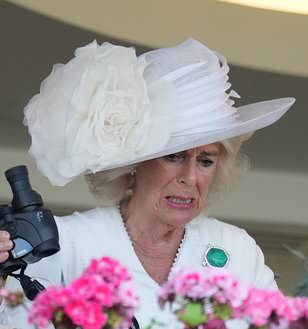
(251, 117)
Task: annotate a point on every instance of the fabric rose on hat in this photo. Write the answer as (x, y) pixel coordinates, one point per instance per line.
(97, 111)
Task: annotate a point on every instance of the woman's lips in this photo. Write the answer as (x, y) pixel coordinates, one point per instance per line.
(180, 202)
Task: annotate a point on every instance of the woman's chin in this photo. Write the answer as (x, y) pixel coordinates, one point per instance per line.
(181, 214)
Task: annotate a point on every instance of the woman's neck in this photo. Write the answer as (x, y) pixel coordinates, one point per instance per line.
(156, 244)
(147, 229)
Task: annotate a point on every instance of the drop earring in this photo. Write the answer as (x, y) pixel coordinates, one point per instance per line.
(129, 192)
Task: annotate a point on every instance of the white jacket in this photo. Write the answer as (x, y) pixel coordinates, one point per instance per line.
(100, 232)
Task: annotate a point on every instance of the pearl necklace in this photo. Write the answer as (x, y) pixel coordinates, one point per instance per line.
(178, 252)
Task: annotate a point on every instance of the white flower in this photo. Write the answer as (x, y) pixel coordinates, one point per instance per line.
(96, 112)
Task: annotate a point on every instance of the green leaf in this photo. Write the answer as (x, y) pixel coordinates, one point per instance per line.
(192, 314)
(114, 318)
(62, 321)
(58, 315)
(222, 311)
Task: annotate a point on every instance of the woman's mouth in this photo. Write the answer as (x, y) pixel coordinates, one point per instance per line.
(180, 202)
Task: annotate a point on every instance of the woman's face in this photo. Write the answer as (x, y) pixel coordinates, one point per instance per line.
(174, 188)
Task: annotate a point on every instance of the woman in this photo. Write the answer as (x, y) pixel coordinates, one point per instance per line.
(159, 139)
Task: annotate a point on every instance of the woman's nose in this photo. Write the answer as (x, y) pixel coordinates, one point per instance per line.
(188, 174)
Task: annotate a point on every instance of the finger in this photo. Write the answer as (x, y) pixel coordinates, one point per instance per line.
(4, 235)
(4, 256)
(6, 245)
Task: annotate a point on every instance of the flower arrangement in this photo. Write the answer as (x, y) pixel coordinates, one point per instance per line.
(206, 299)
(103, 297)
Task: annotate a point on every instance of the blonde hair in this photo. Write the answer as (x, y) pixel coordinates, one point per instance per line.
(112, 186)
(231, 166)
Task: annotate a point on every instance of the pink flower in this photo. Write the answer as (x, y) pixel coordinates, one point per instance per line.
(188, 283)
(105, 295)
(218, 291)
(109, 270)
(84, 286)
(299, 307)
(207, 283)
(105, 285)
(268, 307)
(87, 314)
(229, 290)
(256, 308)
(127, 296)
(44, 307)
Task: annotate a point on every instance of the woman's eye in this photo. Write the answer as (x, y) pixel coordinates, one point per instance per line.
(173, 157)
(206, 162)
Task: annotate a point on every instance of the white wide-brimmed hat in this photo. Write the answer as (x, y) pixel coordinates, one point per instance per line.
(107, 108)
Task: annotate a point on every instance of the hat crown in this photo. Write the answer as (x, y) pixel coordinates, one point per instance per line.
(166, 60)
(199, 77)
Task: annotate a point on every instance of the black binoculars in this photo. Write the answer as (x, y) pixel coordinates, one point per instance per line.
(31, 226)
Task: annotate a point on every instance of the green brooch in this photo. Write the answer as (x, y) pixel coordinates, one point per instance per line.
(215, 257)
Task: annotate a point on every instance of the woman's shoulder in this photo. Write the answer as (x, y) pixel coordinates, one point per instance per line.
(219, 229)
(86, 216)
(88, 222)
(86, 235)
